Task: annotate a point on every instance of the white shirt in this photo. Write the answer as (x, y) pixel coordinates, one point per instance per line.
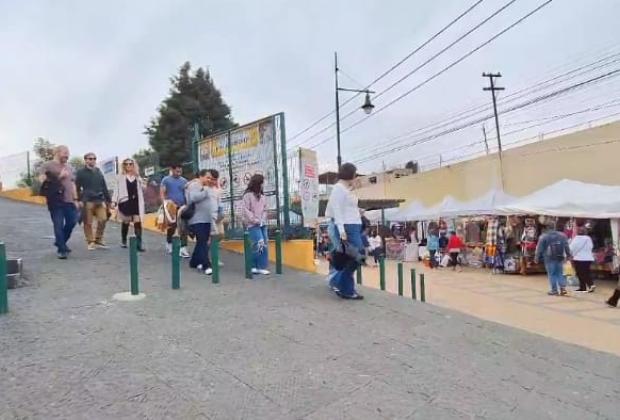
(342, 206)
(375, 242)
(581, 248)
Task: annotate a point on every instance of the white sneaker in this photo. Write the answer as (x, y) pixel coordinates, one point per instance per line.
(209, 271)
(199, 267)
(184, 253)
(264, 272)
(255, 271)
(168, 248)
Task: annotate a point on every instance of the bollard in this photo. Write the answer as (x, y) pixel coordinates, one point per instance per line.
(4, 298)
(247, 253)
(176, 263)
(215, 260)
(133, 264)
(422, 289)
(382, 273)
(400, 279)
(278, 252)
(358, 273)
(413, 292)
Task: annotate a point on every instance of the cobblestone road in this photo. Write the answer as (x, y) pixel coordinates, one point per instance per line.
(273, 348)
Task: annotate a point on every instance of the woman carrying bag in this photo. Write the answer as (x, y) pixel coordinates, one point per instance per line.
(581, 250)
(346, 227)
(128, 199)
(255, 220)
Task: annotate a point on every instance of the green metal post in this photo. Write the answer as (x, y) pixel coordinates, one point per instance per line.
(28, 168)
(232, 226)
(4, 298)
(278, 251)
(215, 260)
(413, 281)
(247, 254)
(285, 192)
(400, 279)
(422, 289)
(359, 274)
(382, 273)
(133, 264)
(195, 141)
(176, 263)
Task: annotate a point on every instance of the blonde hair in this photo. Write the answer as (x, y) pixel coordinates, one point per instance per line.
(135, 167)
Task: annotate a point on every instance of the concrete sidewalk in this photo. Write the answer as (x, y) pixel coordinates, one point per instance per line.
(272, 348)
(516, 301)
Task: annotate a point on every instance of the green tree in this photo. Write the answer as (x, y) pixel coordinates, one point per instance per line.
(77, 163)
(193, 99)
(44, 152)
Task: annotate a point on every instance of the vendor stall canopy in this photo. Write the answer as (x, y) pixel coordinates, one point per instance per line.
(451, 207)
(569, 198)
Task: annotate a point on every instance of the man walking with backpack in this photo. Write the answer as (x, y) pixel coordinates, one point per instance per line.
(553, 250)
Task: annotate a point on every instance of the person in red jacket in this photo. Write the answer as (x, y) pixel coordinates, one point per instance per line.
(455, 246)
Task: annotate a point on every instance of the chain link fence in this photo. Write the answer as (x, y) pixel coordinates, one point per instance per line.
(14, 170)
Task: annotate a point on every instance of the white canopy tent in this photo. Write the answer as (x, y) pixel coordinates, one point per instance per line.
(485, 205)
(374, 216)
(569, 198)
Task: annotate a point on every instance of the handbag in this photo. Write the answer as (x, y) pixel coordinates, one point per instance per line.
(188, 211)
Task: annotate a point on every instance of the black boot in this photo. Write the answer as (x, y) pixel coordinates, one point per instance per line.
(124, 232)
(137, 228)
(613, 300)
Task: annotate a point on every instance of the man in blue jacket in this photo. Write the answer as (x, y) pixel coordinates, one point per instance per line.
(553, 250)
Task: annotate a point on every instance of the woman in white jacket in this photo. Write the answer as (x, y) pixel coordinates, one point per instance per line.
(129, 201)
(345, 227)
(581, 250)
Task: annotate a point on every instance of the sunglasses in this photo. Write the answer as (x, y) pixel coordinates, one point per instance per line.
(91, 158)
(127, 163)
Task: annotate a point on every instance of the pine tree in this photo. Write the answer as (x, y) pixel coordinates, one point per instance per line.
(193, 99)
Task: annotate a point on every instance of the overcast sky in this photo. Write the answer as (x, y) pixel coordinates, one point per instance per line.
(91, 74)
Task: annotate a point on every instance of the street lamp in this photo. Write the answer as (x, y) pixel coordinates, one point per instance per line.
(367, 107)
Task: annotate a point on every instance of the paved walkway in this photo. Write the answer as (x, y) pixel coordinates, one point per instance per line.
(273, 348)
(517, 301)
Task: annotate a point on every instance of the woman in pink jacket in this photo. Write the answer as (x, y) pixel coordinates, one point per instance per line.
(255, 220)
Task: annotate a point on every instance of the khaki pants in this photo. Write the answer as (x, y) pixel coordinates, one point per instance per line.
(97, 211)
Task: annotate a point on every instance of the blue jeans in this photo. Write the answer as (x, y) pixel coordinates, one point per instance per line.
(344, 279)
(64, 217)
(555, 272)
(260, 255)
(200, 256)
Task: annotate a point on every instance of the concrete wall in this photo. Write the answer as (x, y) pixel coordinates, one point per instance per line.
(590, 155)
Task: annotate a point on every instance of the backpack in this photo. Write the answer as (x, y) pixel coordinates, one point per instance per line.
(556, 249)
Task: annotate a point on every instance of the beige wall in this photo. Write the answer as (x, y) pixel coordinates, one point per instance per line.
(591, 155)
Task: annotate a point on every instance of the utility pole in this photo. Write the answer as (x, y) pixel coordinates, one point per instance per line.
(339, 157)
(486, 142)
(493, 89)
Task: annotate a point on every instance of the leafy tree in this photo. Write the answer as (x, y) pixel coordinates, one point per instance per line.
(44, 152)
(77, 163)
(193, 99)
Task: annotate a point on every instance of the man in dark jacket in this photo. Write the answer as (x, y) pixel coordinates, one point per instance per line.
(553, 250)
(94, 200)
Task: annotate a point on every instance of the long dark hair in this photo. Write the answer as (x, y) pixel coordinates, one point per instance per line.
(256, 185)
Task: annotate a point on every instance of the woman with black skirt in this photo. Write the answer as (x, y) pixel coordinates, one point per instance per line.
(129, 201)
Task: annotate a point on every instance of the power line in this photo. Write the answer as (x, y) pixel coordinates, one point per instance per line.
(391, 69)
(421, 66)
(463, 115)
(471, 52)
(559, 92)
